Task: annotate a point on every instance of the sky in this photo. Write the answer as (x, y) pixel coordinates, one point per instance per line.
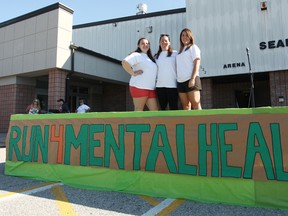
(86, 11)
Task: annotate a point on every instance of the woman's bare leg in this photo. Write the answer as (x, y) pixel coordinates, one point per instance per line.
(184, 101)
(139, 103)
(152, 104)
(194, 98)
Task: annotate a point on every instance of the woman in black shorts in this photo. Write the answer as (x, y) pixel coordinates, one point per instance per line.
(188, 64)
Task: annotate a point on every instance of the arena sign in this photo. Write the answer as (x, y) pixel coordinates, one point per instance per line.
(234, 65)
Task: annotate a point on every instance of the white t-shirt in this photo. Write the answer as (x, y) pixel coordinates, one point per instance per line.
(166, 76)
(184, 62)
(140, 61)
(83, 108)
(33, 110)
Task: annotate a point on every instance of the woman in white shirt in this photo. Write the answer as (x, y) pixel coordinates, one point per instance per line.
(188, 64)
(166, 84)
(83, 108)
(34, 108)
(141, 65)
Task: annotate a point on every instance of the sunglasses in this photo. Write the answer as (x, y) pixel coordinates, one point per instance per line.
(162, 35)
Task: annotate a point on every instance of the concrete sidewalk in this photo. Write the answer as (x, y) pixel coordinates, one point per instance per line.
(2, 139)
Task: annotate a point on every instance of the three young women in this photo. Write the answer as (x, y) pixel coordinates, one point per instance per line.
(143, 70)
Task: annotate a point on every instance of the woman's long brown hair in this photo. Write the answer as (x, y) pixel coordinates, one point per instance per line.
(191, 37)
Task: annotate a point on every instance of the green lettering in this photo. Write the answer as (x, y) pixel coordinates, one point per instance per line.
(255, 132)
(138, 129)
(13, 142)
(183, 168)
(226, 170)
(160, 136)
(81, 141)
(40, 142)
(28, 157)
(204, 148)
(95, 161)
(110, 143)
(278, 153)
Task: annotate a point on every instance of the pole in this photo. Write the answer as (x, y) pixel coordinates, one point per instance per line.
(251, 102)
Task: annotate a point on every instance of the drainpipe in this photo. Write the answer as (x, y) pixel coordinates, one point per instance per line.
(73, 48)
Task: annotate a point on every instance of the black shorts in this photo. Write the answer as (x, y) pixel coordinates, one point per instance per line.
(183, 86)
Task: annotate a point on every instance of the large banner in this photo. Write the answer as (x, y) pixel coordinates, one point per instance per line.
(228, 143)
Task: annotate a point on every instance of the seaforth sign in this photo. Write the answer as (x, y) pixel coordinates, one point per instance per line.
(198, 147)
(273, 44)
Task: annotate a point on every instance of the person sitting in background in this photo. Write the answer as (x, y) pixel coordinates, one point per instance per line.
(63, 106)
(34, 108)
(83, 108)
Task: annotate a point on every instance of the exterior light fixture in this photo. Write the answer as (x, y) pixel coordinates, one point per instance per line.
(263, 5)
(73, 46)
(149, 29)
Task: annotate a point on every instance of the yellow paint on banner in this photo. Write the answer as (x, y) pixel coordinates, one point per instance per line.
(62, 201)
(174, 205)
(150, 200)
(25, 190)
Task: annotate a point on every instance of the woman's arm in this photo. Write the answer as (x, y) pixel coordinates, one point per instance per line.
(194, 72)
(127, 67)
(28, 108)
(195, 68)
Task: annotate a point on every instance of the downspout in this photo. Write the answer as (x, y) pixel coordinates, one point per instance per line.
(73, 48)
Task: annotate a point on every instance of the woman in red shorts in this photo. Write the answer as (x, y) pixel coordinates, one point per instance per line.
(141, 65)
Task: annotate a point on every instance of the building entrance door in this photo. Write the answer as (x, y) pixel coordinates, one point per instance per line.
(242, 98)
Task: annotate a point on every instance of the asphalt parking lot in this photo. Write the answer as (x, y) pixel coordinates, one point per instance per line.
(19, 196)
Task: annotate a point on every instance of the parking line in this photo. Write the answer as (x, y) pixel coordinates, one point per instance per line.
(28, 191)
(174, 205)
(152, 201)
(62, 201)
(157, 209)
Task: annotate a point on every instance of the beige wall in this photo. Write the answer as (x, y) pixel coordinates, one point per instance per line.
(36, 43)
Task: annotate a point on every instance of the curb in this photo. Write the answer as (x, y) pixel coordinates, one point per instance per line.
(2, 144)
(2, 140)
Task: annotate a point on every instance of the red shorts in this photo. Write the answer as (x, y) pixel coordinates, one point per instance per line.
(137, 92)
